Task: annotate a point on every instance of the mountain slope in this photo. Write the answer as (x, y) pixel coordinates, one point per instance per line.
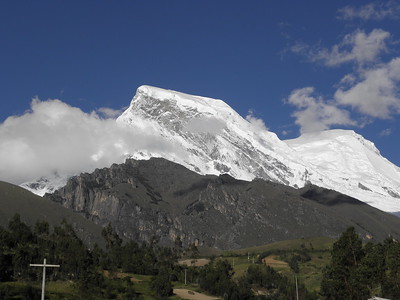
(356, 165)
(209, 137)
(159, 199)
(32, 208)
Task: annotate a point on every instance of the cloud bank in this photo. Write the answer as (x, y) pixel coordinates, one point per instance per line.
(358, 46)
(314, 113)
(54, 136)
(370, 91)
(375, 92)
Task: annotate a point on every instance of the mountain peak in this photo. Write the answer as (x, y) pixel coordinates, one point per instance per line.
(184, 101)
(339, 135)
(213, 137)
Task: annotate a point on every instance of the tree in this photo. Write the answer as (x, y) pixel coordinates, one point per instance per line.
(341, 279)
(20, 232)
(42, 228)
(391, 282)
(6, 266)
(161, 285)
(371, 270)
(193, 251)
(112, 238)
(69, 251)
(293, 263)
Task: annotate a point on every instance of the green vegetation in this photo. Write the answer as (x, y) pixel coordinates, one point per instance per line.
(312, 256)
(81, 273)
(358, 271)
(324, 269)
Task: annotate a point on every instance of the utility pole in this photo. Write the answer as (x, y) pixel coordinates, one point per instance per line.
(44, 265)
(185, 276)
(297, 288)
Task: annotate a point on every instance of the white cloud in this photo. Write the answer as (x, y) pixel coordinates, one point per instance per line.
(386, 132)
(373, 92)
(376, 93)
(359, 47)
(55, 137)
(370, 11)
(109, 113)
(257, 123)
(316, 114)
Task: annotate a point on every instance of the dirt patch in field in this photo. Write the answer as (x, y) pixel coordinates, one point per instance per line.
(120, 275)
(191, 295)
(195, 262)
(273, 262)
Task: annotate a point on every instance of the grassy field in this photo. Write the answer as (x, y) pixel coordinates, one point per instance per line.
(310, 272)
(315, 243)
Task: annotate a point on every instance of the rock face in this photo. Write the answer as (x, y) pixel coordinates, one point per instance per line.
(158, 199)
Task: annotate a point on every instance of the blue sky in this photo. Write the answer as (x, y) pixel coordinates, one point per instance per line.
(298, 65)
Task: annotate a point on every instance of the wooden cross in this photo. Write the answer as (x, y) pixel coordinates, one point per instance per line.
(44, 266)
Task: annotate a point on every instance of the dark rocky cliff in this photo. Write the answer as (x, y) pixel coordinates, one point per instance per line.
(158, 199)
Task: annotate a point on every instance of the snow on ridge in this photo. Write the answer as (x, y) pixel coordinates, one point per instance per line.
(237, 140)
(46, 184)
(203, 104)
(333, 134)
(354, 163)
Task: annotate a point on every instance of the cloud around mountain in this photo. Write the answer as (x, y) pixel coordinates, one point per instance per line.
(54, 136)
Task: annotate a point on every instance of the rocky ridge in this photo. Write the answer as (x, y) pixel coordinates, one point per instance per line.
(160, 200)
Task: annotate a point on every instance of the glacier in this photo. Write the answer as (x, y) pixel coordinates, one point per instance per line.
(207, 136)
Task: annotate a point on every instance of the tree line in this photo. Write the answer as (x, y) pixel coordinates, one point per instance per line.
(356, 270)
(21, 245)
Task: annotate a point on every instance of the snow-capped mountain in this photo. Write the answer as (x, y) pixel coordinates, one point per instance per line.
(209, 137)
(46, 184)
(213, 138)
(354, 164)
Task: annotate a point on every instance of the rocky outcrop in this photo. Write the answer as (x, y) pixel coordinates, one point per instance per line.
(161, 200)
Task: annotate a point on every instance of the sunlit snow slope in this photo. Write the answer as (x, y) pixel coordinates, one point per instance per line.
(209, 137)
(354, 164)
